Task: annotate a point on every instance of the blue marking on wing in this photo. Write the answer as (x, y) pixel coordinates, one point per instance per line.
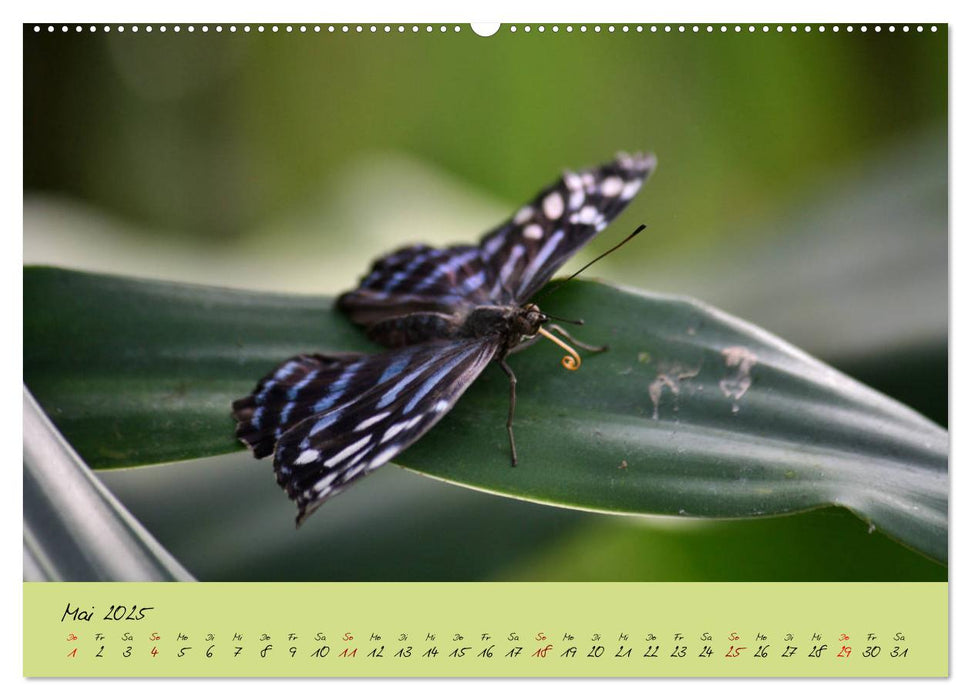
(396, 389)
(336, 390)
(395, 368)
(324, 422)
(474, 282)
(294, 391)
(266, 388)
(436, 378)
(282, 373)
(544, 253)
(447, 268)
(398, 277)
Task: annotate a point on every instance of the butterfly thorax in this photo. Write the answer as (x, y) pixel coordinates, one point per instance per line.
(512, 323)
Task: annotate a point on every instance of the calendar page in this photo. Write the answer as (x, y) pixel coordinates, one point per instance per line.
(511, 350)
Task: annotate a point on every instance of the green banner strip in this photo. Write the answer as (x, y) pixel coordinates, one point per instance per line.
(485, 629)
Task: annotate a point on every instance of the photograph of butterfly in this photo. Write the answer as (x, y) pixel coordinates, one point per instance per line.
(446, 314)
(281, 241)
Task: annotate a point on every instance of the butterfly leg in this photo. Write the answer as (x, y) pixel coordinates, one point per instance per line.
(529, 342)
(578, 343)
(512, 406)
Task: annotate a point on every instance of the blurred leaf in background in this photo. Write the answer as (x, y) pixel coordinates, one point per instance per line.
(802, 185)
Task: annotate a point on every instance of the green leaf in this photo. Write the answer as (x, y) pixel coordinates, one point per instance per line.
(691, 412)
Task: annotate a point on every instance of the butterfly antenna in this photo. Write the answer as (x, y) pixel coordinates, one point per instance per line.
(599, 257)
(574, 321)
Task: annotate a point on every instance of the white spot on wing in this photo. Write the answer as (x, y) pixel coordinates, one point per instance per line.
(523, 215)
(351, 473)
(347, 451)
(382, 458)
(306, 457)
(324, 482)
(553, 205)
(533, 232)
(587, 215)
(611, 186)
(630, 189)
(577, 198)
(371, 421)
(398, 427)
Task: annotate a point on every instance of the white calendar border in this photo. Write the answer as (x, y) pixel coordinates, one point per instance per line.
(511, 11)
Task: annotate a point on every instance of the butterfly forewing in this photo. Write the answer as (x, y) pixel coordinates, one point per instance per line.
(523, 253)
(418, 279)
(414, 387)
(511, 262)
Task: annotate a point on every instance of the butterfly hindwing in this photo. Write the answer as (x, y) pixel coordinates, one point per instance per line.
(412, 390)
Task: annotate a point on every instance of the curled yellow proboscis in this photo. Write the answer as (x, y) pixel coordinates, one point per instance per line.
(570, 361)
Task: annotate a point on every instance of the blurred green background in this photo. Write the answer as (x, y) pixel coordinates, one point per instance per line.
(802, 185)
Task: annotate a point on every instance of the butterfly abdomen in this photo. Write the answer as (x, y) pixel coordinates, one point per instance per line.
(413, 328)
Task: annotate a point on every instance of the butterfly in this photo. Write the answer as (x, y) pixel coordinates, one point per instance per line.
(445, 313)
